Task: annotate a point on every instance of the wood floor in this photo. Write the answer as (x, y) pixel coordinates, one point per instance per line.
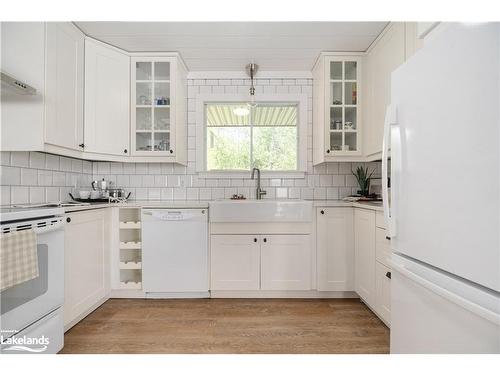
(229, 326)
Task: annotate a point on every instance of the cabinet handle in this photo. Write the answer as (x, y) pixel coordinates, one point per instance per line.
(265, 239)
(328, 151)
(125, 151)
(81, 145)
(322, 212)
(68, 220)
(255, 240)
(388, 275)
(387, 238)
(171, 151)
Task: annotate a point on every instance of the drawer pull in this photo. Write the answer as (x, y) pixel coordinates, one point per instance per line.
(387, 238)
(388, 275)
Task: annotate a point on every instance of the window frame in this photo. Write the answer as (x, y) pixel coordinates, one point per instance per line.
(201, 132)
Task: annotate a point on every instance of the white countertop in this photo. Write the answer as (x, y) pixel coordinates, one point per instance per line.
(377, 206)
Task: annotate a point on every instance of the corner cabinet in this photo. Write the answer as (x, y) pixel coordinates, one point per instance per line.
(336, 108)
(159, 107)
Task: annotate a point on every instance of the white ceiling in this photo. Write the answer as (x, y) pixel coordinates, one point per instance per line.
(231, 45)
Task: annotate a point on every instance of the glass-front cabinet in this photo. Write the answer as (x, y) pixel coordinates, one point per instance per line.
(336, 107)
(158, 100)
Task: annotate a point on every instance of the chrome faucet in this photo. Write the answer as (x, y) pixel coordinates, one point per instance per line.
(259, 192)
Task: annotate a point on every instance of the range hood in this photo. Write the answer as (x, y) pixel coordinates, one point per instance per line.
(10, 83)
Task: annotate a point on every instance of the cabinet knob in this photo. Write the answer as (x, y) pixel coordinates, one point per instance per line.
(68, 220)
(125, 151)
(171, 151)
(328, 151)
(255, 240)
(82, 145)
(388, 238)
(322, 212)
(388, 275)
(265, 239)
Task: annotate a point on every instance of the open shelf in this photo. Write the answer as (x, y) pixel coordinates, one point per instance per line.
(131, 285)
(130, 265)
(130, 225)
(130, 245)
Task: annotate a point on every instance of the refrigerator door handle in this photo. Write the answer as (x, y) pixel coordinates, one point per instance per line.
(452, 297)
(390, 118)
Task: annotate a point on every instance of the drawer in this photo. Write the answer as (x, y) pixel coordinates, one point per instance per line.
(382, 246)
(380, 220)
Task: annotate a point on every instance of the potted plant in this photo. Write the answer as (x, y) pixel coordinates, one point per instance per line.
(363, 178)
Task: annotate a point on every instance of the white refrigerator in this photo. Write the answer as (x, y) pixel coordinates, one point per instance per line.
(442, 136)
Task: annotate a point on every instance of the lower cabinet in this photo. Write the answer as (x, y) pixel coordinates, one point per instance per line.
(335, 248)
(285, 262)
(383, 292)
(260, 262)
(372, 272)
(364, 249)
(86, 263)
(235, 262)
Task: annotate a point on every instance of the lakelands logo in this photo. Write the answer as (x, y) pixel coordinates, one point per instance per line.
(25, 344)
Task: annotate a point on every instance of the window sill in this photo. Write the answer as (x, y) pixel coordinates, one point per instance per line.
(242, 174)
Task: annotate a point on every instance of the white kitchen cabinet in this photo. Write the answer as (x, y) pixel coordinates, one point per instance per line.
(364, 253)
(383, 57)
(64, 85)
(159, 107)
(412, 42)
(382, 246)
(383, 292)
(235, 262)
(335, 248)
(87, 263)
(336, 107)
(107, 90)
(285, 262)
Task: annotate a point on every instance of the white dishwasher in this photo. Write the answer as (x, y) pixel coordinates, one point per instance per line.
(175, 252)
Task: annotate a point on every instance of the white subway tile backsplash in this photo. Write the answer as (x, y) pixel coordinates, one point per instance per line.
(141, 168)
(166, 194)
(122, 181)
(148, 181)
(179, 193)
(4, 195)
(135, 181)
(5, 158)
(19, 194)
(29, 177)
(129, 168)
(338, 180)
(192, 193)
(116, 168)
(173, 181)
(52, 162)
(154, 194)
(58, 178)
(65, 164)
(10, 175)
(325, 180)
(52, 194)
(37, 160)
(205, 193)
(160, 181)
(320, 193)
(332, 193)
(141, 193)
(45, 178)
(281, 193)
(37, 194)
(20, 159)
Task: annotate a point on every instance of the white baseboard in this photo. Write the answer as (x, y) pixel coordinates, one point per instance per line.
(174, 295)
(280, 294)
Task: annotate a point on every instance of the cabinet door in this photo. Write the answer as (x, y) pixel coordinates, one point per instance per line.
(107, 93)
(343, 128)
(152, 103)
(383, 292)
(335, 248)
(64, 85)
(381, 61)
(86, 263)
(382, 246)
(285, 262)
(364, 254)
(235, 262)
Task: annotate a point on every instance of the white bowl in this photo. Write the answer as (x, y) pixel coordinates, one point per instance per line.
(84, 194)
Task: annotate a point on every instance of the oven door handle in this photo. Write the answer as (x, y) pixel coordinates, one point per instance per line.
(49, 228)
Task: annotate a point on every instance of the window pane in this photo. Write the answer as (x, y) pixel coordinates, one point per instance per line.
(228, 148)
(227, 114)
(275, 115)
(275, 148)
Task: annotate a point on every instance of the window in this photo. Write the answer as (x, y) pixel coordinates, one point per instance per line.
(240, 137)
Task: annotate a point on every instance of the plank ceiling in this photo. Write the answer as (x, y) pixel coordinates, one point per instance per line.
(231, 45)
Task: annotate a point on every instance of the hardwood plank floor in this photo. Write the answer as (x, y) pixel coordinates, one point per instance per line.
(229, 326)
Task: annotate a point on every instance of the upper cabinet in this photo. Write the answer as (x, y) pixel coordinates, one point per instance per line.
(64, 71)
(336, 108)
(383, 57)
(107, 88)
(158, 107)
